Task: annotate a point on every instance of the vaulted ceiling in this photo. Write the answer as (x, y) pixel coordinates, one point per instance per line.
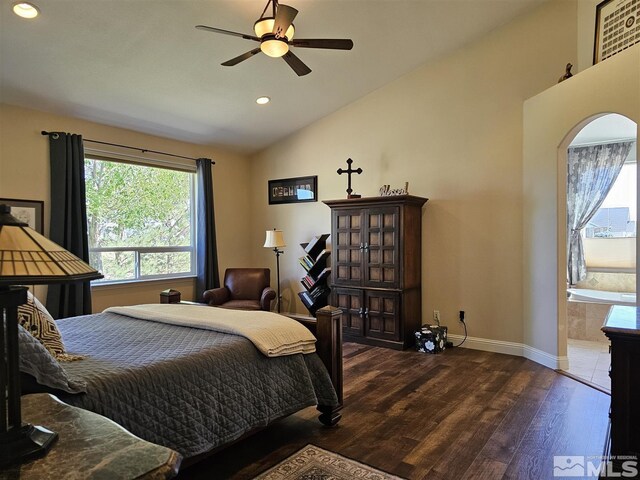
(141, 64)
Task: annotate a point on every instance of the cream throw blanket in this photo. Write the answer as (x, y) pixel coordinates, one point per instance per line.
(274, 335)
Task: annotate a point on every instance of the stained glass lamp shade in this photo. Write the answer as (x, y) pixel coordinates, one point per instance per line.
(26, 257)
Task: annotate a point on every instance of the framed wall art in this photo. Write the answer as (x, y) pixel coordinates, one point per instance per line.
(29, 211)
(293, 190)
(617, 27)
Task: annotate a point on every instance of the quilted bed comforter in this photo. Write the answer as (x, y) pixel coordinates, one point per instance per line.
(189, 389)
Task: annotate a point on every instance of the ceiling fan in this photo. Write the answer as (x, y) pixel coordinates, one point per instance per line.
(275, 35)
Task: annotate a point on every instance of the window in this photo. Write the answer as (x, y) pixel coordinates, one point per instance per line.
(141, 221)
(616, 217)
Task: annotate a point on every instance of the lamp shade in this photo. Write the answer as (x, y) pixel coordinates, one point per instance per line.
(265, 25)
(26, 257)
(274, 239)
(274, 47)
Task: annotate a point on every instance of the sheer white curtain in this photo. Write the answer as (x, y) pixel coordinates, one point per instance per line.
(592, 171)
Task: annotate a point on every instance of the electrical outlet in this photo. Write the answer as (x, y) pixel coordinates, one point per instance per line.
(461, 317)
(436, 315)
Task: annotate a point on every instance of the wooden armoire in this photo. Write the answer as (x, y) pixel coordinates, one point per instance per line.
(376, 266)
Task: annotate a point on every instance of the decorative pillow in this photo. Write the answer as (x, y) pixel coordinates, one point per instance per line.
(35, 360)
(36, 320)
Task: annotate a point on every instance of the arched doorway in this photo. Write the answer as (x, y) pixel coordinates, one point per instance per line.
(601, 216)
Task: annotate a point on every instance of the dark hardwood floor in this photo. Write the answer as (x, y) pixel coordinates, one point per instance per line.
(463, 414)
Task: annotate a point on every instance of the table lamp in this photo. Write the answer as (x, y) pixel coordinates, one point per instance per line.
(275, 239)
(26, 257)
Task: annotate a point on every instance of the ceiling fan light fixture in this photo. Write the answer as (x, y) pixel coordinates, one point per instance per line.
(264, 26)
(25, 10)
(274, 47)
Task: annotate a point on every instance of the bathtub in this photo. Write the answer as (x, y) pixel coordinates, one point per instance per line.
(601, 296)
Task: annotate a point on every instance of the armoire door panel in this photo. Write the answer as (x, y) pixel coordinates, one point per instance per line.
(355, 274)
(342, 239)
(389, 239)
(374, 238)
(381, 265)
(350, 302)
(382, 315)
(347, 247)
(373, 256)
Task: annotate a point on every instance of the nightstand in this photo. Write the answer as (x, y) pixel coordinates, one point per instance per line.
(622, 327)
(89, 446)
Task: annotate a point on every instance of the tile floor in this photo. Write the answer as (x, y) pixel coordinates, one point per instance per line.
(590, 361)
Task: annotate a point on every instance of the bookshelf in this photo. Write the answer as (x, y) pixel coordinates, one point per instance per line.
(314, 262)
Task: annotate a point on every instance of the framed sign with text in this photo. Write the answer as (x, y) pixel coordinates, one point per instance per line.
(293, 190)
(617, 27)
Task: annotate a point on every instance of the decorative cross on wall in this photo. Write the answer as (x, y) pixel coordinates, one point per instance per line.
(350, 171)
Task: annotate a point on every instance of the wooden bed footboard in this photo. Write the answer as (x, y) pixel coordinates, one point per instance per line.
(327, 328)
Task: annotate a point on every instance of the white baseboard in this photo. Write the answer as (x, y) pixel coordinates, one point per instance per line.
(512, 348)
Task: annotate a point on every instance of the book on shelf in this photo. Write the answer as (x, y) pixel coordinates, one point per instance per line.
(304, 264)
(309, 282)
(310, 300)
(318, 292)
(323, 255)
(316, 245)
(324, 274)
(306, 298)
(316, 273)
(320, 264)
(308, 260)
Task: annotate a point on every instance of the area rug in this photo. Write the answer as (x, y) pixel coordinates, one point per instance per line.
(314, 463)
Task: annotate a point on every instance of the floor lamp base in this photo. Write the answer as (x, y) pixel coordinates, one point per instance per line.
(27, 443)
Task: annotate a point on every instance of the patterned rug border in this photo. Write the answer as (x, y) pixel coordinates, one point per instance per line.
(370, 473)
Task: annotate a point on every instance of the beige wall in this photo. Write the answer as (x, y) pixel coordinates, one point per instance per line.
(610, 252)
(24, 174)
(551, 120)
(453, 130)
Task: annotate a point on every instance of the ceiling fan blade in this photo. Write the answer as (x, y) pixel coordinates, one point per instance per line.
(241, 58)
(284, 18)
(227, 32)
(296, 64)
(332, 43)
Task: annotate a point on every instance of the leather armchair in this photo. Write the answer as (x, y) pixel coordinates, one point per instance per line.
(244, 289)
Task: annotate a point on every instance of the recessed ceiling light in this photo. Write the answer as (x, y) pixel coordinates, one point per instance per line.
(25, 10)
(262, 100)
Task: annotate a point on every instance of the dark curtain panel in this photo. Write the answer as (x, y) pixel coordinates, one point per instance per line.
(206, 249)
(68, 226)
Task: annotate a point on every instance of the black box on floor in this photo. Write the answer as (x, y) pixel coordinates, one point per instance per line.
(431, 339)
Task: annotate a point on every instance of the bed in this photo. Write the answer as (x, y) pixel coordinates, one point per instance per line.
(196, 390)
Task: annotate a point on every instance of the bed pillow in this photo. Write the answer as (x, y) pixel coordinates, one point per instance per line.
(35, 360)
(36, 320)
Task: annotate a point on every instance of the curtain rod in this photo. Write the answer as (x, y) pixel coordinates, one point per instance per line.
(143, 150)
